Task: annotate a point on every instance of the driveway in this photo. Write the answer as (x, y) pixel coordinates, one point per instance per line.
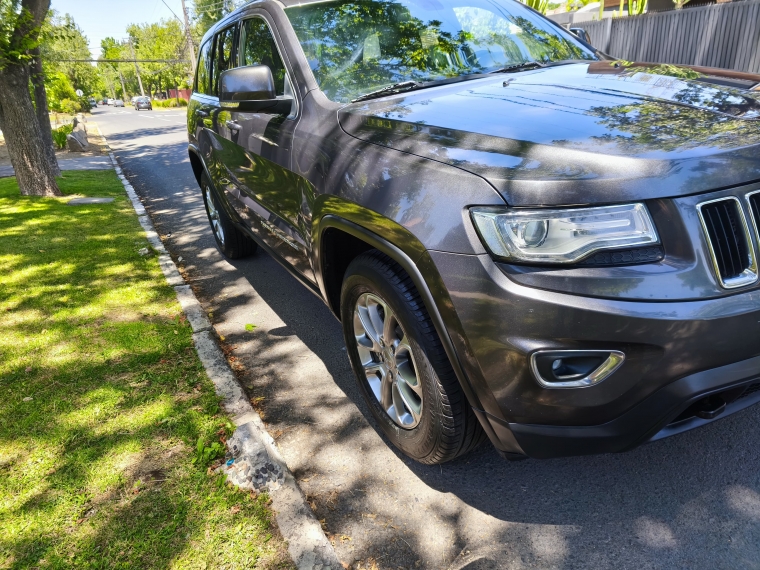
(692, 501)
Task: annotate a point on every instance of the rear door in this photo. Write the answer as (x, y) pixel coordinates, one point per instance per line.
(269, 195)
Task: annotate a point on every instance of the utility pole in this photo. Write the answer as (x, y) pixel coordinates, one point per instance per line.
(123, 89)
(188, 36)
(137, 69)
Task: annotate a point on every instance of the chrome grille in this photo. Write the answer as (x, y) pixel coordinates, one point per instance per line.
(753, 198)
(729, 240)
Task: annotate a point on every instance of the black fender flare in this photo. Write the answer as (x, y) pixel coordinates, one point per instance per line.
(411, 267)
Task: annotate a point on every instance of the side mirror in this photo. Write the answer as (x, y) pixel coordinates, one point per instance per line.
(581, 34)
(251, 89)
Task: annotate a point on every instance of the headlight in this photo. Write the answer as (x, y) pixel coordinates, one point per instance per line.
(562, 235)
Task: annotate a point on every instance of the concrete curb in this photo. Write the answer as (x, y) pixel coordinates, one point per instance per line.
(256, 462)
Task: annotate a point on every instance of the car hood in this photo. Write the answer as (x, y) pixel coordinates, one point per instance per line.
(576, 134)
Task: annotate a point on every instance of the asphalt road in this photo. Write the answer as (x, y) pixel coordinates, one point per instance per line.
(692, 501)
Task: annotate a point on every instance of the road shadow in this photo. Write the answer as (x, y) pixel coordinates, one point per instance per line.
(691, 501)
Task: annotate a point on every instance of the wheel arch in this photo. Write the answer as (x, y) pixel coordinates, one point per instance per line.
(356, 239)
(197, 164)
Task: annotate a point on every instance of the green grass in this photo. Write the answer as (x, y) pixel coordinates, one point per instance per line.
(96, 470)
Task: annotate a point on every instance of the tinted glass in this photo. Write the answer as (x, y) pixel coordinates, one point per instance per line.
(358, 46)
(223, 55)
(202, 83)
(257, 47)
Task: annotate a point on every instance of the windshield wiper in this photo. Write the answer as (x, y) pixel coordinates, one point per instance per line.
(390, 89)
(518, 67)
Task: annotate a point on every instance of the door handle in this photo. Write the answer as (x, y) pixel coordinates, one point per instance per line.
(201, 114)
(232, 125)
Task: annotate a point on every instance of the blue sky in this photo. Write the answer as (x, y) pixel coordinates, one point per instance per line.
(110, 18)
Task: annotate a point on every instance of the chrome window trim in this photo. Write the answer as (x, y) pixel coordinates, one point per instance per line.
(749, 275)
(605, 370)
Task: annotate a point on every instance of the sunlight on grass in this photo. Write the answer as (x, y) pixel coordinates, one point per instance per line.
(102, 399)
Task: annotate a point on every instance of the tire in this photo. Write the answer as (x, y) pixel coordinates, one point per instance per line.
(230, 240)
(429, 419)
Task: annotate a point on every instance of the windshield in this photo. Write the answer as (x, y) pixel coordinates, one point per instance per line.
(358, 46)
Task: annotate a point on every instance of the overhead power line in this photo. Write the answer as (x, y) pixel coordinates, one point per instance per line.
(172, 11)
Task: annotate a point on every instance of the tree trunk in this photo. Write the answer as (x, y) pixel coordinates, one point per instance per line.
(41, 107)
(34, 172)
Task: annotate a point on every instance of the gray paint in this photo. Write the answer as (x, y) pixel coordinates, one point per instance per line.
(405, 169)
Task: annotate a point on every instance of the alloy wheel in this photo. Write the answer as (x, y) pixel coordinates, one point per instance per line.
(213, 216)
(387, 359)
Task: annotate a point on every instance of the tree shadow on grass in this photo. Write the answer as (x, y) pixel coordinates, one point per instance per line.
(103, 401)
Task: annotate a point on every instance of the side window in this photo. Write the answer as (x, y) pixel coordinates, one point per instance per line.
(223, 55)
(257, 47)
(202, 73)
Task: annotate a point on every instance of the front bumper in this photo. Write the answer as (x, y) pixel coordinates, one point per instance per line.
(676, 353)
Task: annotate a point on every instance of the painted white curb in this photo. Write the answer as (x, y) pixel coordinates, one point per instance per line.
(307, 544)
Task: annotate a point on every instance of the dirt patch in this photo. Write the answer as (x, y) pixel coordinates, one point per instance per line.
(98, 145)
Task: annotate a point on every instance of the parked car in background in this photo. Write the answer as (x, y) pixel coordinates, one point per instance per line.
(118, 103)
(522, 240)
(109, 101)
(93, 102)
(143, 103)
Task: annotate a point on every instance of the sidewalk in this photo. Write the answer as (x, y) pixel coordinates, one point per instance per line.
(70, 162)
(94, 159)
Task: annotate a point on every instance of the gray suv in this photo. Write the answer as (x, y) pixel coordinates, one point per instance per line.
(523, 239)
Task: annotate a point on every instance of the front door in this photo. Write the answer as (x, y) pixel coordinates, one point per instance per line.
(269, 195)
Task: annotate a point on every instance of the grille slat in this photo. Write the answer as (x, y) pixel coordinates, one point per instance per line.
(724, 224)
(754, 204)
(740, 246)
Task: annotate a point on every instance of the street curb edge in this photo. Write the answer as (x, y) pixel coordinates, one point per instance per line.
(307, 544)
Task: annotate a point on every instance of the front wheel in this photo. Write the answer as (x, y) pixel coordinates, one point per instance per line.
(400, 364)
(231, 241)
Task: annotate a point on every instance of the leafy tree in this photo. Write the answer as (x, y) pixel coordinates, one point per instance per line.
(206, 13)
(162, 40)
(62, 39)
(30, 149)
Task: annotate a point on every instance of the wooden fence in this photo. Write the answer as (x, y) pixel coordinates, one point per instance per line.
(719, 35)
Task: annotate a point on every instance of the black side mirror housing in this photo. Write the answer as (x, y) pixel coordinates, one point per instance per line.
(251, 88)
(582, 34)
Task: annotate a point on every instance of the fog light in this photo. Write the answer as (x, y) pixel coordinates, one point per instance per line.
(574, 368)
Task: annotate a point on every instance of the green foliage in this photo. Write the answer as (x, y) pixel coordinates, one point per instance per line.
(169, 103)
(18, 35)
(538, 5)
(70, 106)
(205, 454)
(63, 39)
(58, 87)
(206, 13)
(60, 134)
(637, 7)
(669, 69)
(162, 40)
